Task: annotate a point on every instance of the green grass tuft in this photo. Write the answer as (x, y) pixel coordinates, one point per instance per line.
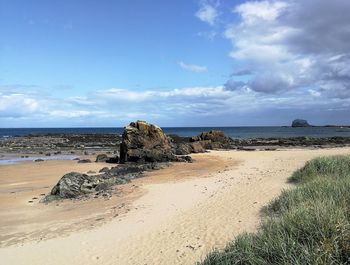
(306, 225)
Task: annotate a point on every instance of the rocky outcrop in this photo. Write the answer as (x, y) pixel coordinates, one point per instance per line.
(205, 141)
(143, 143)
(101, 158)
(107, 159)
(183, 148)
(75, 185)
(300, 123)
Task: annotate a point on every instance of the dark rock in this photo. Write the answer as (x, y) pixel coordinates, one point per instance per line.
(84, 161)
(105, 169)
(210, 140)
(187, 159)
(73, 185)
(143, 142)
(39, 160)
(197, 147)
(77, 158)
(113, 160)
(101, 158)
(214, 136)
(106, 159)
(300, 123)
(183, 149)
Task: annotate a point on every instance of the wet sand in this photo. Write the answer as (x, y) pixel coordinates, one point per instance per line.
(173, 216)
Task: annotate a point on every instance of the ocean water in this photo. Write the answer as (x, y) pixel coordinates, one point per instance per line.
(234, 132)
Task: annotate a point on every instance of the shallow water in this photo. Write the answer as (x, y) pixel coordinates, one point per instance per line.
(15, 160)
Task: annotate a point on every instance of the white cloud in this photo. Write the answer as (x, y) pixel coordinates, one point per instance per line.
(294, 45)
(18, 105)
(254, 11)
(193, 67)
(73, 113)
(207, 13)
(125, 95)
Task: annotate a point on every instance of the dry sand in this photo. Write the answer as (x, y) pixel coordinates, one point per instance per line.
(173, 216)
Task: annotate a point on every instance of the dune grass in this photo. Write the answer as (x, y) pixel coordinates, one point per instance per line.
(309, 224)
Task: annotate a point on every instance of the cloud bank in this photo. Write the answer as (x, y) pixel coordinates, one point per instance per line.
(291, 45)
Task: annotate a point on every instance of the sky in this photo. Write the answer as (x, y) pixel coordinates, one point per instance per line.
(105, 63)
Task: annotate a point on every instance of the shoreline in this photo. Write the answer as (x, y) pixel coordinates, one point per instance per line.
(183, 219)
(93, 144)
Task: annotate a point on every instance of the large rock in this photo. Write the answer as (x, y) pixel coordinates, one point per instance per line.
(205, 141)
(74, 184)
(144, 142)
(300, 123)
(214, 136)
(107, 159)
(101, 158)
(183, 148)
(211, 140)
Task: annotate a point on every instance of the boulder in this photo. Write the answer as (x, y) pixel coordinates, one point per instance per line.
(209, 141)
(187, 159)
(214, 136)
(197, 147)
(105, 169)
(74, 184)
(183, 149)
(107, 159)
(300, 123)
(101, 158)
(143, 142)
(113, 160)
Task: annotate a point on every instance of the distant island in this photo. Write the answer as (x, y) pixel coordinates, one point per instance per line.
(300, 123)
(304, 123)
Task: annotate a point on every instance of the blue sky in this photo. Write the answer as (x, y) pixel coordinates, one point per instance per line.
(174, 63)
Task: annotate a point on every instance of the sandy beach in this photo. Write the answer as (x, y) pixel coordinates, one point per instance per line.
(172, 216)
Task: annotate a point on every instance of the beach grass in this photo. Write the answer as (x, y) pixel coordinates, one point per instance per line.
(308, 224)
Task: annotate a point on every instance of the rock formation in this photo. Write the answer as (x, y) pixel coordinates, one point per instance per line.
(74, 185)
(107, 159)
(205, 141)
(143, 142)
(300, 123)
(101, 158)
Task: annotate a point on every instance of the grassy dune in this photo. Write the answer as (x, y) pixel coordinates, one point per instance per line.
(309, 224)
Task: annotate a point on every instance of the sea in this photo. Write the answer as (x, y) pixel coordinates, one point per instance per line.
(233, 132)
